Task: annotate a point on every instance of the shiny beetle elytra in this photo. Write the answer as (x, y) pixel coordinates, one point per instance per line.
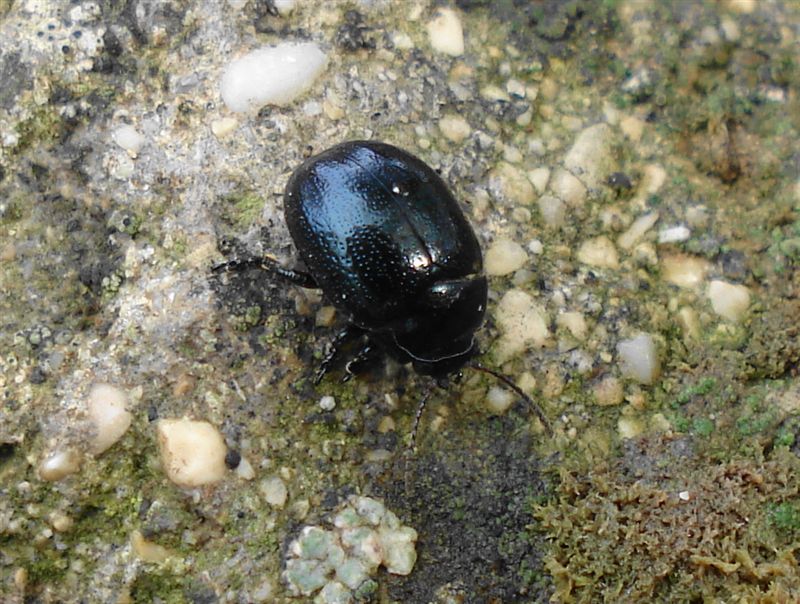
(387, 243)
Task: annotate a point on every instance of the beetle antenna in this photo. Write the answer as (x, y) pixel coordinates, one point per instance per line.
(509, 382)
(418, 416)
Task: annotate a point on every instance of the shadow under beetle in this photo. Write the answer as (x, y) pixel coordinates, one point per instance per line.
(387, 243)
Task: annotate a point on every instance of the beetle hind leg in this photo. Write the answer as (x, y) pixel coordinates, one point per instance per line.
(348, 334)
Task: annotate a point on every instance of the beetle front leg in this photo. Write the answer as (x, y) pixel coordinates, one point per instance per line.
(269, 264)
(348, 334)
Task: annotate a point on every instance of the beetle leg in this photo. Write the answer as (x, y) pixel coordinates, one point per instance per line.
(269, 264)
(366, 355)
(349, 333)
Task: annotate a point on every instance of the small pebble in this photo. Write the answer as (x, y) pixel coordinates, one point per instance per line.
(110, 418)
(609, 392)
(553, 211)
(454, 128)
(192, 452)
(637, 230)
(446, 33)
(504, 257)
(274, 75)
(326, 316)
(245, 469)
(683, 270)
(510, 184)
(147, 550)
(590, 158)
(274, 491)
(59, 464)
(128, 138)
(567, 188)
(498, 399)
(639, 358)
(599, 252)
(539, 178)
(575, 323)
(224, 126)
(522, 323)
(327, 403)
(674, 234)
(728, 300)
(629, 427)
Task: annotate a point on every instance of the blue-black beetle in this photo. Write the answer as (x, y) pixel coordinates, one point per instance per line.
(387, 243)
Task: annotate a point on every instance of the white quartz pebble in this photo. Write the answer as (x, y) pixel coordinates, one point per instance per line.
(639, 358)
(129, 139)
(274, 75)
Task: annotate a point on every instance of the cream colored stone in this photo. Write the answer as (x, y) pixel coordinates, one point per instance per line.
(192, 452)
(539, 178)
(454, 128)
(274, 491)
(574, 322)
(632, 127)
(599, 252)
(683, 270)
(629, 427)
(689, 322)
(567, 187)
(511, 184)
(504, 257)
(728, 300)
(609, 392)
(110, 419)
(147, 550)
(59, 464)
(590, 157)
(498, 399)
(553, 210)
(223, 126)
(637, 230)
(445, 32)
(522, 323)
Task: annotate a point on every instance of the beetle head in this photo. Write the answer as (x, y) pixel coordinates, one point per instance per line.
(439, 338)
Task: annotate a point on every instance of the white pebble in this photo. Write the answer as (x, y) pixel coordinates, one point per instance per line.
(539, 178)
(504, 257)
(192, 452)
(553, 211)
(446, 33)
(224, 126)
(327, 403)
(637, 230)
(598, 252)
(639, 358)
(498, 399)
(728, 300)
(284, 7)
(674, 234)
(59, 464)
(574, 322)
(272, 75)
(109, 416)
(567, 188)
(129, 139)
(245, 469)
(590, 158)
(509, 183)
(274, 491)
(522, 323)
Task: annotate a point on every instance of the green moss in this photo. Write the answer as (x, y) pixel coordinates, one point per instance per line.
(242, 209)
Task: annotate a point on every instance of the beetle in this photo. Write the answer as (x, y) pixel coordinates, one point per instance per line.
(384, 239)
